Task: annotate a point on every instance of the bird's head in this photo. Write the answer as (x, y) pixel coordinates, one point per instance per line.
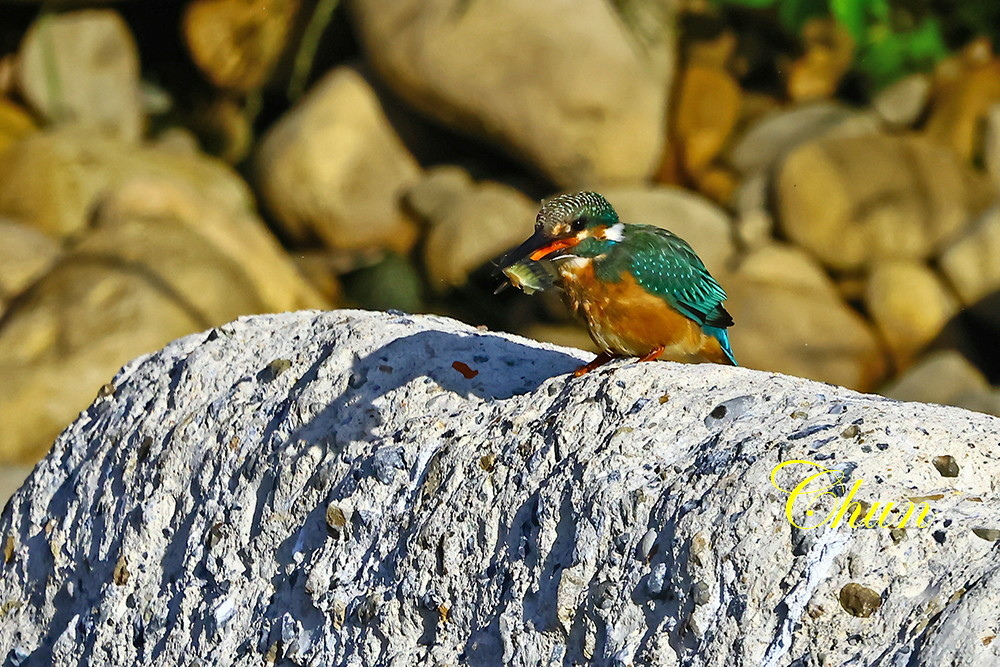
(570, 225)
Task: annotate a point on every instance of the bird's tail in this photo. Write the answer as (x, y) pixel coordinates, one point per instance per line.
(722, 336)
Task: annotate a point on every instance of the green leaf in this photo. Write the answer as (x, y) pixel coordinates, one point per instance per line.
(793, 14)
(852, 15)
(889, 55)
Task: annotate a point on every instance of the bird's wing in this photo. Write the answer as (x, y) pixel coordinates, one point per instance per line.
(665, 265)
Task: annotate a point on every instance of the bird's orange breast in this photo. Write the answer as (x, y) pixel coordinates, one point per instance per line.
(625, 319)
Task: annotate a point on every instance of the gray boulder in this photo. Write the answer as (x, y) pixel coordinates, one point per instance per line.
(359, 488)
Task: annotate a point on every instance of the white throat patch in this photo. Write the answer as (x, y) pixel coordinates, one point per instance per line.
(615, 233)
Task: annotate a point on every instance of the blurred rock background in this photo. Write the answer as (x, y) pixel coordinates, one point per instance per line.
(168, 166)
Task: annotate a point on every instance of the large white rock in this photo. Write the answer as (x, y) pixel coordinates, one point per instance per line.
(327, 488)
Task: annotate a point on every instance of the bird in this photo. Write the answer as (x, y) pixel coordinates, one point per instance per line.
(641, 290)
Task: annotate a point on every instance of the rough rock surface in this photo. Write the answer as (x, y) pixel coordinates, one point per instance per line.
(333, 488)
(569, 87)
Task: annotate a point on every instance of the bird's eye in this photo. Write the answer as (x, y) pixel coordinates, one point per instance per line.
(578, 224)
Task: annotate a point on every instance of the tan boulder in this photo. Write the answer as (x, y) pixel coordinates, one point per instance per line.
(945, 377)
(574, 89)
(15, 123)
(60, 345)
(237, 43)
(52, 180)
(784, 265)
(900, 104)
(789, 319)
(910, 306)
(754, 224)
(439, 189)
(972, 262)
(141, 278)
(966, 85)
(776, 133)
(173, 249)
(828, 55)
(708, 107)
(333, 168)
(82, 67)
(11, 479)
(25, 254)
(471, 228)
(852, 201)
(991, 144)
(235, 232)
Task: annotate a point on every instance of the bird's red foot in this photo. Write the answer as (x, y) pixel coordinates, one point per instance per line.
(653, 355)
(599, 360)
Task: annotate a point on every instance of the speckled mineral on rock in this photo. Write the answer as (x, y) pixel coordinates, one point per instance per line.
(329, 488)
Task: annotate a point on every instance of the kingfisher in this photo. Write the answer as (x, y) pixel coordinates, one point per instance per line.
(642, 290)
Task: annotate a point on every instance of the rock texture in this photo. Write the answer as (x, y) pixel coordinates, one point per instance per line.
(371, 489)
(573, 91)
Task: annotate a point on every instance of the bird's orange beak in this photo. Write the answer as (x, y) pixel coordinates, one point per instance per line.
(558, 244)
(535, 248)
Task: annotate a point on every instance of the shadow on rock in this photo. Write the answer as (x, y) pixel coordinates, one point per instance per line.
(485, 366)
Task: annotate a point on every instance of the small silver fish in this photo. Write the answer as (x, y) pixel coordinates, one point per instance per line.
(530, 276)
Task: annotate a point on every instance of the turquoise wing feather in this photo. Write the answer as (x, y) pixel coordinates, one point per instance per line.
(665, 265)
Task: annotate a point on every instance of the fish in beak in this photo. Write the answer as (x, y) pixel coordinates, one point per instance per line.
(538, 246)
